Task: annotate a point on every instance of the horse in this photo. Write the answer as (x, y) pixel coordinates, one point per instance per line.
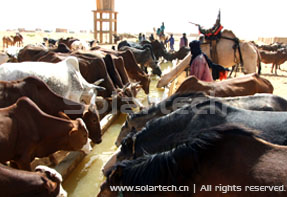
(18, 40)
(229, 158)
(229, 48)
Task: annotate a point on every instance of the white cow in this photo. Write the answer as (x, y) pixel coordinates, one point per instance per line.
(80, 45)
(64, 78)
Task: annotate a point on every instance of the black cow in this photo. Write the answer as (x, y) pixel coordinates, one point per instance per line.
(144, 55)
(50, 41)
(258, 102)
(166, 132)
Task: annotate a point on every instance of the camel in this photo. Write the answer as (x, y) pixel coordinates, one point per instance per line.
(227, 57)
(18, 39)
(7, 41)
(225, 52)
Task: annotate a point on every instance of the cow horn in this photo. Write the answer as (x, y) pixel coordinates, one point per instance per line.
(99, 88)
(98, 82)
(93, 100)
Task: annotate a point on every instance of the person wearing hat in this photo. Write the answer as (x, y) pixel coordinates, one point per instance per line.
(200, 64)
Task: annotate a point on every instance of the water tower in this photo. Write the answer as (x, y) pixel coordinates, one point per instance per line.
(105, 21)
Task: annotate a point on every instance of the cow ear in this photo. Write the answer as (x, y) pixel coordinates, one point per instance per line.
(63, 115)
(73, 61)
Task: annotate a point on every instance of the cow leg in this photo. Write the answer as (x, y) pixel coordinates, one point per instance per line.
(276, 69)
(144, 68)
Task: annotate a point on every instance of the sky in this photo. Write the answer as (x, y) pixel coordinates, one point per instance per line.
(248, 19)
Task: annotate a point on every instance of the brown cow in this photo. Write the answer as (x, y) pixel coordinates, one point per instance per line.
(133, 70)
(28, 132)
(45, 182)
(50, 103)
(276, 58)
(68, 41)
(240, 86)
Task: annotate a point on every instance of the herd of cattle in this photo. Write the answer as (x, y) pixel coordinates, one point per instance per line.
(275, 54)
(52, 98)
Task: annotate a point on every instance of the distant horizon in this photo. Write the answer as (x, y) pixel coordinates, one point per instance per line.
(247, 19)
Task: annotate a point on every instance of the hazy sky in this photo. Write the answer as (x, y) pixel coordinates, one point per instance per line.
(248, 19)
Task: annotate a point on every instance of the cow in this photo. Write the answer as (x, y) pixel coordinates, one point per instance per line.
(229, 158)
(92, 66)
(61, 48)
(43, 182)
(28, 132)
(68, 41)
(240, 86)
(275, 58)
(133, 70)
(50, 42)
(64, 78)
(258, 102)
(143, 53)
(145, 58)
(50, 103)
(207, 114)
(110, 65)
(158, 49)
(79, 45)
(166, 132)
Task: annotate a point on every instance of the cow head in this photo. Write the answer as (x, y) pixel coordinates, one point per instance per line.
(113, 178)
(78, 136)
(126, 128)
(92, 121)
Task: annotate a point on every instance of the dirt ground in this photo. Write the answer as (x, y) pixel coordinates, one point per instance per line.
(279, 81)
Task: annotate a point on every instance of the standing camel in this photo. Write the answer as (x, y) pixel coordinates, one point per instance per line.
(18, 39)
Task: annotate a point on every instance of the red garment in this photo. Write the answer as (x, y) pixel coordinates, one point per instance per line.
(223, 75)
(200, 69)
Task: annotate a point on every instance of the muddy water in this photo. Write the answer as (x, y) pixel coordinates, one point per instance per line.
(86, 179)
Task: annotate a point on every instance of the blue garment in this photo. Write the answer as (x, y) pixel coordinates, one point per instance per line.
(171, 43)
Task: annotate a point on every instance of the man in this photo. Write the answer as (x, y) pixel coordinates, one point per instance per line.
(162, 27)
(171, 42)
(183, 41)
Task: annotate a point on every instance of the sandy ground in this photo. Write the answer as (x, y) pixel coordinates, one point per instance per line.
(279, 82)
